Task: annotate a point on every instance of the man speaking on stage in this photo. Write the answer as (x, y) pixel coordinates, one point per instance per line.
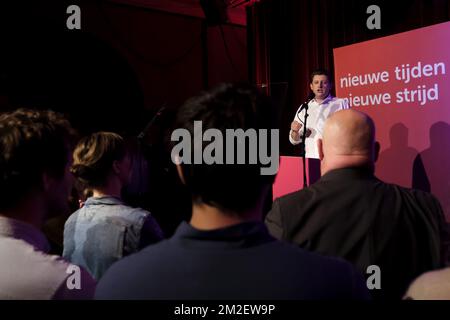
(320, 107)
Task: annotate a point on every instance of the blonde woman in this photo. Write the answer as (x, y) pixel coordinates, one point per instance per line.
(105, 229)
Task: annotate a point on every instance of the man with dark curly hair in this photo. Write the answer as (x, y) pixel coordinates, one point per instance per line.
(35, 183)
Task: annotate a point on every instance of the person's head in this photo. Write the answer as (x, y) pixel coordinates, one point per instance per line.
(320, 83)
(399, 135)
(440, 136)
(348, 141)
(233, 189)
(35, 158)
(100, 159)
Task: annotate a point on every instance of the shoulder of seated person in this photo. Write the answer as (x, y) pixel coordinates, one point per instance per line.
(141, 212)
(431, 285)
(295, 195)
(419, 194)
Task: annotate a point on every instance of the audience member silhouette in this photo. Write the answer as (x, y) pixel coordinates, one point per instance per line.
(105, 229)
(431, 171)
(225, 252)
(35, 183)
(395, 163)
(352, 214)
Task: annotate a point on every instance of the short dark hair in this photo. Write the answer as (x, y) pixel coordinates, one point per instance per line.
(320, 72)
(94, 155)
(31, 143)
(233, 188)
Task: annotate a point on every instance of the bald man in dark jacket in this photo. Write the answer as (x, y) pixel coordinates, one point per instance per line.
(351, 214)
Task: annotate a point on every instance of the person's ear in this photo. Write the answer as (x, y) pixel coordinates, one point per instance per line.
(376, 153)
(46, 181)
(180, 173)
(311, 87)
(116, 167)
(320, 148)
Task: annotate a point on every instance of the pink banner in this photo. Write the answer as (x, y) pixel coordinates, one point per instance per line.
(402, 82)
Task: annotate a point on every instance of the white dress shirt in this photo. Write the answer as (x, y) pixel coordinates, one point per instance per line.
(28, 272)
(318, 113)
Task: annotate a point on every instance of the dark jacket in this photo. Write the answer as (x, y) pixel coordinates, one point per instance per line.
(349, 213)
(238, 262)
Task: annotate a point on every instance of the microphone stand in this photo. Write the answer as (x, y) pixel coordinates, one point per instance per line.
(147, 128)
(144, 156)
(303, 143)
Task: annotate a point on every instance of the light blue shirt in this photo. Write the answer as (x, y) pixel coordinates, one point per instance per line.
(104, 230)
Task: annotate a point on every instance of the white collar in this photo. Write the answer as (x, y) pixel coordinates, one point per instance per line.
(326, 100)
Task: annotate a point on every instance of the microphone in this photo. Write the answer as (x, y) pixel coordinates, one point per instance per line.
(305, 104)
(308, 100)
(152, 121)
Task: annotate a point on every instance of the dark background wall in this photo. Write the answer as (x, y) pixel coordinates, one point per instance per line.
(125, 63)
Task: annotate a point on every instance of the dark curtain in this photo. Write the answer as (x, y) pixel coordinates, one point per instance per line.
(290, 38)
(258, 45)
